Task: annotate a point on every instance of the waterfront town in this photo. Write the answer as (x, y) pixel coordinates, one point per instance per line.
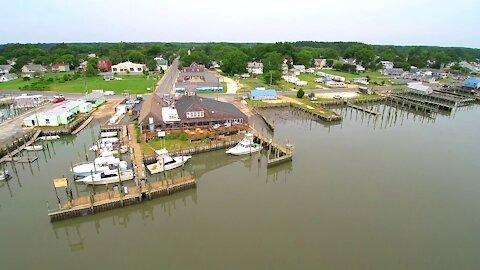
(339, 135)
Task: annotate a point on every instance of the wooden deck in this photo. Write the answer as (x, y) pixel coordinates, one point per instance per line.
(136, 154)
(108, 200)
(83, 125)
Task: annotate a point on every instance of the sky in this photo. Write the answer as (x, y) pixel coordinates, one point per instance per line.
(405, 22)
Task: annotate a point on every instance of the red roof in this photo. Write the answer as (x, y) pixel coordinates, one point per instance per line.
(57, 65)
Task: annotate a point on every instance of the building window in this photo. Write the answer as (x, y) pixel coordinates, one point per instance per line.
(196, 114)
(114, 69)
(139, 69)
(47, 121)
(131, 69)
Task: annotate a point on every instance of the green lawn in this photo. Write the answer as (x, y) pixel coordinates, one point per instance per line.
(375, 76)
(170, 144)
(131, 83)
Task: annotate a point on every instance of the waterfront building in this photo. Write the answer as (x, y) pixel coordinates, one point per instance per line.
(258, 94)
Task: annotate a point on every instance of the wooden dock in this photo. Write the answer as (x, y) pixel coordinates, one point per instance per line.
(109, 200)
(270, 124)
(83, 125)
(425, 102)
(136, 154)
(9, 156)
(396, 101)
(24, 159)
(363, 109)
(280, 153)
(319, 112)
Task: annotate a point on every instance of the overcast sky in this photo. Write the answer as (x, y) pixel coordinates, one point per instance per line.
(404, 22)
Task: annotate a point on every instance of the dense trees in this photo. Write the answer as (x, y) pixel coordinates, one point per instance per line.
(232, 56)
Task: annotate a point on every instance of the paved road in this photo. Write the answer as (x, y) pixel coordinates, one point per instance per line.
(168, 80)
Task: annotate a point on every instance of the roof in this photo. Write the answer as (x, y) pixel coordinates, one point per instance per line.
(64, 108)
(34, 67)
(162, 62)
(472, 81)
(269, 92)
(152, 107)
(93, 96)
(9, 76)
(255, 65)
(419, 87)
(212, 108)
(5, 67)
(59, 65)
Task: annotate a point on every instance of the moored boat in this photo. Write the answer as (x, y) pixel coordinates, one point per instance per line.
(100, 164)
(34, 148)
(4, 175)
(49, 138)
(107, 177)
(245, 146)
(165, 162)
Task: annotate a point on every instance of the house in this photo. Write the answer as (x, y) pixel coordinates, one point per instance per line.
(258, 94)
(255, 68)
(95, 98)
(162, 64)
(387, 64)
(200, 77)
(32, 68)
(335, 84)
(128, 68)
(187, 112)
(299, 68)
(104, 64)
(60, 67)
(350, 61)
(5, 69)
(363, 81)
(91, 55)
(8, 77)
(331, 77)
(29, 101)
(419, 88)
(194, 67)
(83, 65)
(472, 83)
(397, 72)
(320, 63)
(284, 69)
(359, 68)
(60, 115)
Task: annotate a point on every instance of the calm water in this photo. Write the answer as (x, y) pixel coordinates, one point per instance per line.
(401, 192)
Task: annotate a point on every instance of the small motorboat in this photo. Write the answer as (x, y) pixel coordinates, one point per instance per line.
(107, 177)
(49, 138)
(4, 175)
(245, 146)
(109, 134)
(166, 162)
(34, 148)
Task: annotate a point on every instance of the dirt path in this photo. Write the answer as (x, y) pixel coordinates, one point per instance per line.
(232, 85)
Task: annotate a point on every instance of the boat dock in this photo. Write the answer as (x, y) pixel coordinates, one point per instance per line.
(136, 153)
(108, 200)
(425, 102)
(270, 124)
(280, 153)
(319, 112)
(456, 101)
(10, 156)
(83, 125)
(363, 109)
(410, 104)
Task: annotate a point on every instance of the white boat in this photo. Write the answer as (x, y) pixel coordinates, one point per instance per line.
(245, 146)
(99, 165)
(166, 162)
(107, 177)
(49, 138)
(34, 148)
(4, 175)
(109, 134)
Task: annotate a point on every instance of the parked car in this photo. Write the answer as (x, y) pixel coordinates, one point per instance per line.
(58, 99)
(337, 97)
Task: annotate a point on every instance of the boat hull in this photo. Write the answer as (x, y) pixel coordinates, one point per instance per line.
(239, 152)
(124, 176)
(158, 167)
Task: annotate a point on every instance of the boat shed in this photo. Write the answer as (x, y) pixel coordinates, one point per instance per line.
(95, 98)
(473, 83)
(262, 94)
(419, 88)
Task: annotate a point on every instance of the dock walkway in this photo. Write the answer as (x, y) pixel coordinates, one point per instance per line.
(9, 156)
(363, 109)
(108, 200)
(136, 154)
(83, 125)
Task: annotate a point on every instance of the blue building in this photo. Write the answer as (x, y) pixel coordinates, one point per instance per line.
(473, 83)
(262, 94)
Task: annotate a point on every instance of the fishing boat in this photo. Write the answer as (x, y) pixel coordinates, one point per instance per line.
(100, 164)
(165, 162)
(34, 148)
(49, 138)
(107, 177)
(4, 174)
(109, 134)
(245, 146)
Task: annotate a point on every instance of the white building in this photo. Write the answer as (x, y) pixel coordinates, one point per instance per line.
(419, 88)
(386, 64)
(320, 63)
(128, 68)
(255, 67)
(331, 77)
(299, 68)
(362, 81)
(335, 84)
(8, 77)
(5, 69)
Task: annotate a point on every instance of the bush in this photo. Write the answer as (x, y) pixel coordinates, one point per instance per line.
(300, 93)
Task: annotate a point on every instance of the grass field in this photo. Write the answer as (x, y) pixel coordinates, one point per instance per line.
(172, 143)
(129, 83)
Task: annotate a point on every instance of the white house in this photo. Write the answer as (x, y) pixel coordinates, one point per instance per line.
(320, 63)
(359, 68)
(5, 69)
(128, 68)
(32, 68)
(162, 64)
(8, 77)
(363, 81)
(419, 88)
(335, 84)
(386, 64)
(255, 67)
(299, 68)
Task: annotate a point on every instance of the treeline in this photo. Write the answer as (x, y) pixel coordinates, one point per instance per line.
(233, 56)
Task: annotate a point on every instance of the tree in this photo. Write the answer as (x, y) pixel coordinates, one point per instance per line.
(304, 57)
(197, 56)
(300, 93)
(3, 60)
(272, 77)
(136, 56)
(92, 68)
(329, 62)
(234, 62)
(338, 66)
(272, 61)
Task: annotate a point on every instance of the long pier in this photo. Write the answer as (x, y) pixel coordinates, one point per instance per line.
(430, 103)
(108, 200)
(363, 109)
(410, 104)
(319, 113)
(280, 153)
(10, 155)
(83, 125)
